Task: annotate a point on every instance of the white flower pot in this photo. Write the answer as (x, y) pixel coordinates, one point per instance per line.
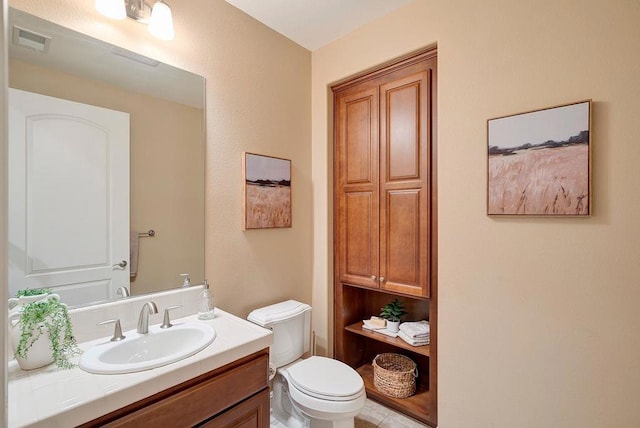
(393, 326)
(39, 354)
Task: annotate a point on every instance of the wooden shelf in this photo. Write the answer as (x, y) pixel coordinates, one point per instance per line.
(417, 406)
(388, 292)
(395, 341)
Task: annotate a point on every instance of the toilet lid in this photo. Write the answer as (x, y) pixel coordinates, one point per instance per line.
(326, 379)
(279, 312)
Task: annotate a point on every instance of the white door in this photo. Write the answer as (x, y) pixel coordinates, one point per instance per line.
(69, 197)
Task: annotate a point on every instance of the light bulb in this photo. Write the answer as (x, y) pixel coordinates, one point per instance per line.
(113, 9)
(161, 22)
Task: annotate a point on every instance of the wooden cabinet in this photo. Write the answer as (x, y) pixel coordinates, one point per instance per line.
(236, 395)
(385, 218)
(382, 166)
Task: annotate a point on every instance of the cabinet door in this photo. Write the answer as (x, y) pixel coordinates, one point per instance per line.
(357, 182)
(251, 413)
(405, 159)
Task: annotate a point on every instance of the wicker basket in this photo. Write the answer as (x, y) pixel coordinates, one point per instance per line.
(394, 375)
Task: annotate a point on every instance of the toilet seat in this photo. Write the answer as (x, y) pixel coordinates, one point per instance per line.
(326, 379)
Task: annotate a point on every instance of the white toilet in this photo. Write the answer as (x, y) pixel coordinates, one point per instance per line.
(316, 392)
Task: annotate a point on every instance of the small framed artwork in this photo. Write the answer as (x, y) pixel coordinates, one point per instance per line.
(267, 191)
(539, 162)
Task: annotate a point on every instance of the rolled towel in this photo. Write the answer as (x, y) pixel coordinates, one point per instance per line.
(415, 329)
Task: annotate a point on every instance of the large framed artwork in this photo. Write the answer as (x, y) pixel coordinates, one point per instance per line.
(539, 162)
(267, 191)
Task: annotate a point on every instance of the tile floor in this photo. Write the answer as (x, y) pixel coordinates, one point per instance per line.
(376, 415)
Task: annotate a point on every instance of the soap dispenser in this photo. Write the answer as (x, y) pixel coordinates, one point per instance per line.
(205, 304)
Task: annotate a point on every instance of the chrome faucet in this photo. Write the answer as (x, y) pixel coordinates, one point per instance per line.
(123, 292)
(143, 320)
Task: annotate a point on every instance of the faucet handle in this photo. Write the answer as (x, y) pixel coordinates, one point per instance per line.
(117, 332)
(166, 323)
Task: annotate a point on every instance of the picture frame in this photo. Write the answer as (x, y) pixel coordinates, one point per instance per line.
(539, 162)
(266, 191)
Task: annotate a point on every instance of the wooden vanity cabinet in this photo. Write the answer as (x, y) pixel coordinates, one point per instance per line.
(385, 222)
(235, 395)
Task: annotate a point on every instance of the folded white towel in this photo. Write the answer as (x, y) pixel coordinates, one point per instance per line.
(415, 329)
(387, 332)
(413, 342)
(419, 337)
(413, 339)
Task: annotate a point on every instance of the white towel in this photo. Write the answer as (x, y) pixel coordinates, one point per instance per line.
(387, 332)
(415, 329)
(133, 253)
(413, 342)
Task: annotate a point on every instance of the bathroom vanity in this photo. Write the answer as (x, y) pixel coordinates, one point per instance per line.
(223, 385)
(236, 394)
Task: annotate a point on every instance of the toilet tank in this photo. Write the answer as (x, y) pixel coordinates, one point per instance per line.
(290, 322)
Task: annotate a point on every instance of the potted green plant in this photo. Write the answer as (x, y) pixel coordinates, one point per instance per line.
(41, 330)
(392, 312)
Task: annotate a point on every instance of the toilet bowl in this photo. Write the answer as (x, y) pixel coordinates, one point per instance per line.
(316, 392)
(324, 389)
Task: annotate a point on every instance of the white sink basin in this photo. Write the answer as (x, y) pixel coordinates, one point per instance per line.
(146, 351)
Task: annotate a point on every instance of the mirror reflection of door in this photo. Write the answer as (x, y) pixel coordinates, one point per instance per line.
(69, 170)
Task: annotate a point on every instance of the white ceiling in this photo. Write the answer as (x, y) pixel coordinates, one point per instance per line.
(314, 23)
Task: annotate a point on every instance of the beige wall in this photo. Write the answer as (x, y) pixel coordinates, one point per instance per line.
(258, 100)
(166, 171)
(539, 318)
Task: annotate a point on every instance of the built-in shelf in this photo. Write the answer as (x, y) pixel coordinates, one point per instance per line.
(416, 406)
(395, 341)
(380, 254)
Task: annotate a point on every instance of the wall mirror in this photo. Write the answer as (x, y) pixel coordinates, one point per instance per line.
(89, 212)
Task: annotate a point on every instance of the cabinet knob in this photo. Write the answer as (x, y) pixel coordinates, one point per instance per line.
(373, 277)
(381, 279)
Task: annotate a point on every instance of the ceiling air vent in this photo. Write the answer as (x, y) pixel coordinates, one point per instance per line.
(30, 39)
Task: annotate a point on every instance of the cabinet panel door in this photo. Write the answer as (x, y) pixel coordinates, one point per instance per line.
(360, 258)
(251, 413)
(403, 271)
(357, 179)
(405, 184)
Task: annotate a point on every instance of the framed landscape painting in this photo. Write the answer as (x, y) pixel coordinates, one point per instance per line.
(539, 162)
(267, 191)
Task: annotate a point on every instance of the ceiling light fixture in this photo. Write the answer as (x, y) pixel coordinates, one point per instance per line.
(113, 9)
(158, 16)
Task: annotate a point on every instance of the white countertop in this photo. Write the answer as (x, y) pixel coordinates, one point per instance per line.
(52, 397)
